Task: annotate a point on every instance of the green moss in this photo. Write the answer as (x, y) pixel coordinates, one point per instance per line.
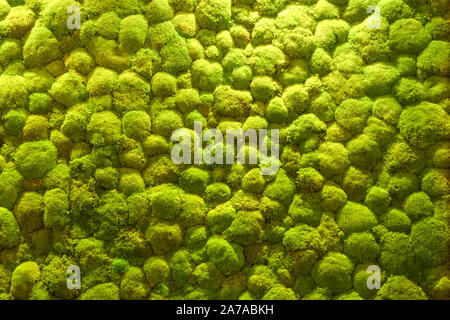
(131, 92)
(68, 90)
(34, 159)
(400, 288)
(230, 102)
(433, 59)
(166, 122)
(213, 14)
(397, 221)
(220, 218)
(158, 11)
(23, 279)
(354, 217)
(379, 78)
(104, 128)
(402, 184)
(9, 229)
(134, 285)
(244, 230)
(334, 272)
(430, 251)
(163, 84)
(408, 36)
(157, 270)
(136, 124)
(264, 88)
(352, 114)
(103, 291)
(378, 200)
(397, 255)
(227, 257)
(13, 92)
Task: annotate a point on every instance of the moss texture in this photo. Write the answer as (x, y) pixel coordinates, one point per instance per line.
(86, 176)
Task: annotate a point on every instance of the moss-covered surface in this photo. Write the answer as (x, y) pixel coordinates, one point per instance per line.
(86, 176)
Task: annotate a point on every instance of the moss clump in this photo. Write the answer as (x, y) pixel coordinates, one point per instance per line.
(354, 217)
(400, 288)
(213, 14)
(163, 237)
(334, 272)
(228, 258)
(104, 128)
(136, 125)
(68, 90)
(40, 47)
(34, 159)
(134, 285)
(430, 251)
(9, 229)
(23, 279)
(423, 124)
(408, 36)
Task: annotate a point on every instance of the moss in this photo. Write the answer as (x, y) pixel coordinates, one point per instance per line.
(333, 197)
(40, 47)
(213, 14)
(206, 75)
(23, 279)
(352, 114)
(379, 78)
(423, 125)
(133, 285)
(104, 128)
(400, 288)
(10, 187)
(175, 56)
(363, 152)
(354, 217)
(418, 205)
(378, 200)
(227, 257)
(103, 291)
(131, 92)
(136, 125)
(281, 189)
(430, 251)
(68, 90)
(158, 11)
(397, 256)
(13, 92)
(9, 229)
(166, 122)
(408, 36)
(34, 159)
(397, 221)
(14, 122)
(244, 230)
(334, 272)
(264, 88)
(230, 102)
(402, 184)
(220, 218)
(433, 59)
(309, 180)
(333, 159)
(157, 270)
(35, 128)
(435, 182)
(266, 60)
